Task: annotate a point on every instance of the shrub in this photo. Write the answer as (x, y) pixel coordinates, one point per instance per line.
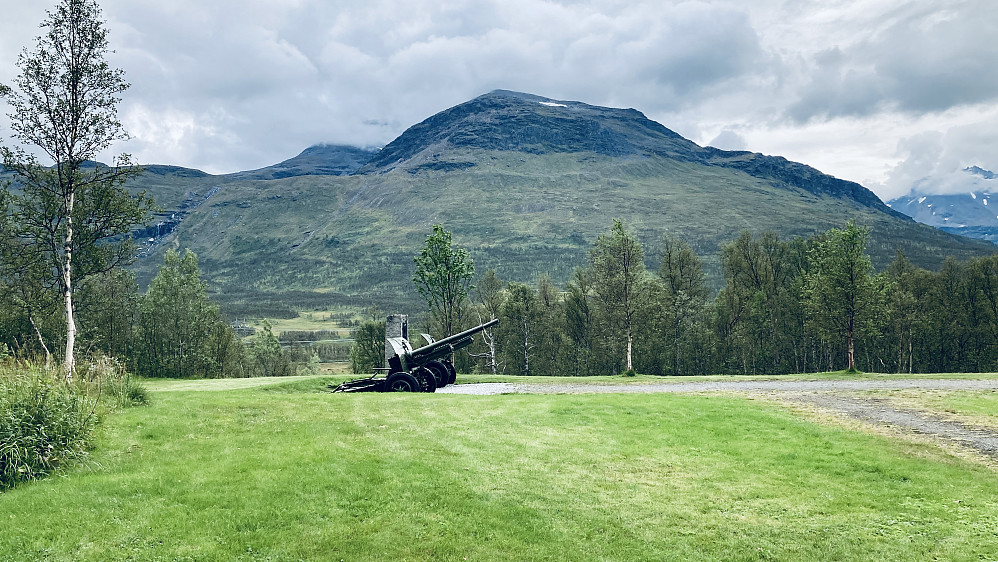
(106, 378)
(368, 350)
(44, 424)
(266, 355)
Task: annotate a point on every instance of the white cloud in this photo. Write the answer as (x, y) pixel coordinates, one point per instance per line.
(728, 139)
(933, 161)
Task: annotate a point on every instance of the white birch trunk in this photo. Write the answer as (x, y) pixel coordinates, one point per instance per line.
(70, 363)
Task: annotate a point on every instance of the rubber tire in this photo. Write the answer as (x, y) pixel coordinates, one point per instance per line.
(426, 379)
(402, 382)
(440, 373)
(452, 372)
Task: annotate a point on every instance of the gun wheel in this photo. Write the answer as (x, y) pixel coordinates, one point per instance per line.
(440, 373)
(451, 372)
(426, 379)
(402, 382)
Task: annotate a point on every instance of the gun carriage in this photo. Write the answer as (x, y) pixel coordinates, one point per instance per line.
(423, 369)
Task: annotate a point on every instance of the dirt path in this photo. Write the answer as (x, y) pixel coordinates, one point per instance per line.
(882, 412)
(797, 386)
(837, 396)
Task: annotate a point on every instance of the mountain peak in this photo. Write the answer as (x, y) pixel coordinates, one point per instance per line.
(979, 171)
(504, 120)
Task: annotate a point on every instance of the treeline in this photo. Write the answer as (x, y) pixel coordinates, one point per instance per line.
(173, 330)
(786, 306)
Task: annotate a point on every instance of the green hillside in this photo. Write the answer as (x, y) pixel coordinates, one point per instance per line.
(525, 183)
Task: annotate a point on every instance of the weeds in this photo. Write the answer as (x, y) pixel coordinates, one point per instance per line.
(106, 377)
(44, 424)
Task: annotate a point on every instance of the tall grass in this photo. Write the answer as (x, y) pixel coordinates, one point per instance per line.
(47, 423)
(107, 379)
(44, 424)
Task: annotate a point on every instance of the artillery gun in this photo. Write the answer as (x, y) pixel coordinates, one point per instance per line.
(423, 369)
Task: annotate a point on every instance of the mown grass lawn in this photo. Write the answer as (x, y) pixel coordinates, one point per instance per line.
(978, 408)
(276, 474)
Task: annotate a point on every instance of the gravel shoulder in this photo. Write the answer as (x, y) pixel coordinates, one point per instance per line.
(837, 396)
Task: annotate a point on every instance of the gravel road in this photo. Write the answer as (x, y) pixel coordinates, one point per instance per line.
(830, 395)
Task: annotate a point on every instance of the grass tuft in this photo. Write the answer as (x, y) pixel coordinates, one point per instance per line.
(106, 377)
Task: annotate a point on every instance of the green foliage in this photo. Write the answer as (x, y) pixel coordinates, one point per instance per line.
(683, 312)
(489, 296)
(619, 281)
(368, 350)
(580, 325)
(760, 324)
(267, 358)
(443, 278)
(519, 327)
(839, 290)
(109, 380)
(550, 333)
(181, 333)
(108, 306)
(44, 424)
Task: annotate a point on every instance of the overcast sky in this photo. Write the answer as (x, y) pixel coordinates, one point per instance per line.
(888, 93)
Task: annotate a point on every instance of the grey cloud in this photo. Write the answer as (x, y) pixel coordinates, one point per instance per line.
(229, 85)
(934, 161)
(257, 80)
(728, 140)
(927, 58)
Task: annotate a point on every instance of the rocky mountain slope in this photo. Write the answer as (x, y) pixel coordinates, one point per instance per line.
(319, 160)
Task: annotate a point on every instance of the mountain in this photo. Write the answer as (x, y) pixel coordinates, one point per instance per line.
(973, 213)
(319, 160)
(525, 183)
(515, 122)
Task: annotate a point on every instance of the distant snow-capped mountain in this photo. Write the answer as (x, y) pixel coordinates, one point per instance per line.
(973, 213)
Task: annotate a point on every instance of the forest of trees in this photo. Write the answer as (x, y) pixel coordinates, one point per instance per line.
(786, 306)
(172, 330)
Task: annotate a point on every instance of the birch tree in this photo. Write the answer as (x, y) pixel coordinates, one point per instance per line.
(443, 278)
(618, 273)
(839, 289)
(65, 107)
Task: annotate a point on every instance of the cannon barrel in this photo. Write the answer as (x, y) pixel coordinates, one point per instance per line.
(453, 342)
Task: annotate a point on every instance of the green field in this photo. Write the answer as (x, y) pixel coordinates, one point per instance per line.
(278, 471)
